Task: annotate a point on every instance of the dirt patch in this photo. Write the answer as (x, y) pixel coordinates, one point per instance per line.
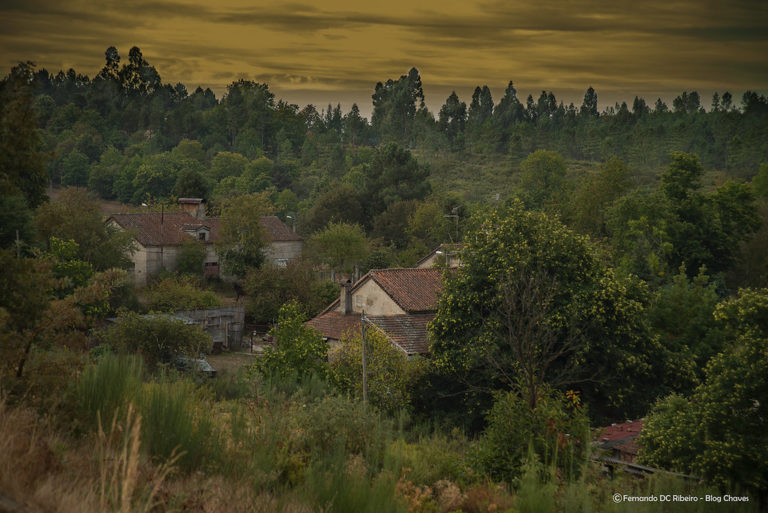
(230, 362)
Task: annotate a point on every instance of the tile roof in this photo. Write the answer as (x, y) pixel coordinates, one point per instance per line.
(407, 331)
(414, 290)
(621, 437)
(150, 231)
(166, 229)
(335, 324)
(278, 230)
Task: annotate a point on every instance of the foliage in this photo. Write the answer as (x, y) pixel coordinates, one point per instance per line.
(269, 287)
(391, 374)
(556, 429)
(67, 267)
(590, 309)
(719, 432)
(394, 175)
(242, 238)
(543, 178)
(177, 424)
(339, 245)
(172, 294)
(190, 258)
(298, 349)
(22, 171)
(76, 216)
(157, 338)
(682, 314)
(107, 386)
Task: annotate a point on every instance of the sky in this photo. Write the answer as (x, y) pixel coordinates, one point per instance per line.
(335, 51)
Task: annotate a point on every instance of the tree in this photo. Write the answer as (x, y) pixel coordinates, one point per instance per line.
(339, 245)
(589, 105)
(299, 350)
(191, 258)
(453, 117)
(270, 287)
(340, 202)
(242, 238)
(543, 178)
(21, 159)
(76, 216)
(719, 432)
(394, 175)
(480, 310)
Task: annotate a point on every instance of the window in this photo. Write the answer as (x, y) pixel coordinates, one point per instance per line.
(201, 236)
(359, 301)
(281, 262)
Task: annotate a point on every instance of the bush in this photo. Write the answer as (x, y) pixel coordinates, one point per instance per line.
(157, 339)
(557, 435)
(391, 373)
(172, 294)
(298, 349)
(175, 422)
(106, 387)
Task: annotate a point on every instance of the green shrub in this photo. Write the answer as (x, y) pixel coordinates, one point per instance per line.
(298, 350)
(175, 421)
(172, 294)
(157, 338)
(558, 435)
(106, 387)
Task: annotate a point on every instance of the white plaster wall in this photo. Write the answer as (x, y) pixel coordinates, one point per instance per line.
(373, 300)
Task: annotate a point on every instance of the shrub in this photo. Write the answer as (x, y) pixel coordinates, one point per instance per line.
(390, 373)
(106, 387)
(298, 349)
(156, 338)
(176, 422)
(172, 294)
(557, 435)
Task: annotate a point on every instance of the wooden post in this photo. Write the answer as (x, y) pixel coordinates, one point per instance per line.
(365, 370)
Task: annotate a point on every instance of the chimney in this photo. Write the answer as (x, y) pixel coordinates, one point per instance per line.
(193, 206)
(345, 298)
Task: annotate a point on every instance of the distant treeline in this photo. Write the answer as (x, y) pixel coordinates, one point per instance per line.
(128, 104)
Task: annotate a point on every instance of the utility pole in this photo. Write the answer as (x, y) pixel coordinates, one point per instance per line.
(365, 369)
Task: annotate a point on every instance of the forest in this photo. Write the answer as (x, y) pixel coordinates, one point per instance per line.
(613, 268)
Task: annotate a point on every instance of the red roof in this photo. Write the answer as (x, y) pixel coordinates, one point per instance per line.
(407, 331)
(170, 228)
(334, 324)
(414, 290)
(278, 230)
(166, 229)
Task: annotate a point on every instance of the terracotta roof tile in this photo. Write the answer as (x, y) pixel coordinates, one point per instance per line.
(278, 230)
(407, 331)
(150, 231)
(167, 229)
(334, 324)
(414, 290)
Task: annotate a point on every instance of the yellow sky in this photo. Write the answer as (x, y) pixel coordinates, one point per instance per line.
(335, 51)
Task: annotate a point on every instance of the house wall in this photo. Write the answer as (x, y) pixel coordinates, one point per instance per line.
(374, 300)
(139, 259)
(439, 260)
(284, 250)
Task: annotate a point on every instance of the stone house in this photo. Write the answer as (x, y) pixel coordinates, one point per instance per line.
(445, 255)
(160, 236)
(399, 302)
